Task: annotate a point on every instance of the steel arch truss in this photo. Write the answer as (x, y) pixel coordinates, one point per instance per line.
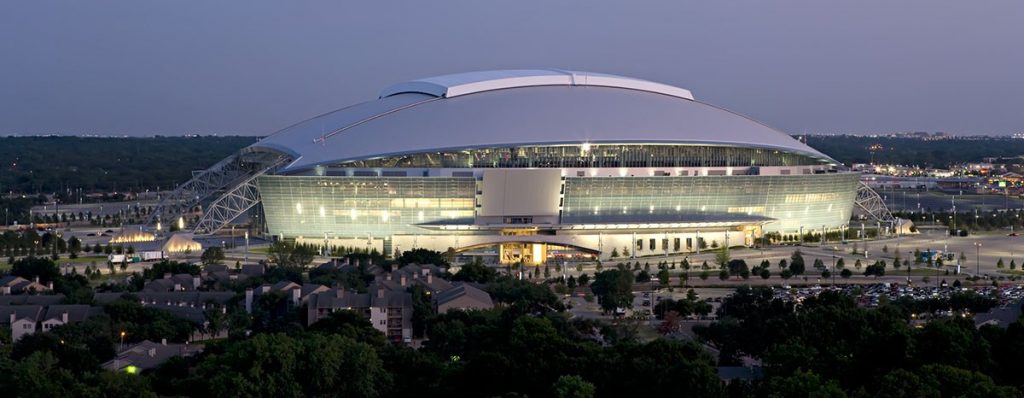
(233, 175)
(871, 205)
(201, 186)
(229, 206)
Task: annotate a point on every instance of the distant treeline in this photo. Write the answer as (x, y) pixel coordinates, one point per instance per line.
(909, 151)
(50, 164)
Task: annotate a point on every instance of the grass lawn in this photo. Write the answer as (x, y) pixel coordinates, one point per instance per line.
(916, 271)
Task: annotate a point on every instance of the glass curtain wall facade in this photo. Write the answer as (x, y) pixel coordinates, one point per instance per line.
(300, 206)
(354, 207)
(809, 201)
(593, 155)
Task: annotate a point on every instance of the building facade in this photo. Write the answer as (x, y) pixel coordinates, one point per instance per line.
(544, 165)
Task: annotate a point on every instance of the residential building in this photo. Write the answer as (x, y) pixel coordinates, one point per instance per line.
(462, 296)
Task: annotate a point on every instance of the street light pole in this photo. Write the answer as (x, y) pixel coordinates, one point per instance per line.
(977, 259)
(833, 271)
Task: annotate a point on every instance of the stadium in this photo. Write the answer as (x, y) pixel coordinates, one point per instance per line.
(526, 165)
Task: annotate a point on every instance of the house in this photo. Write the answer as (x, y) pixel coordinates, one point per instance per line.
(414, 275)
(21, 319)
(148, 355)
(173, 283)
(297, 294)
(188, 305)
(57, 315)
(251, 270)
(17, 285)
(211, 268)
(170, 299)
(32, 299)
(462, 296)
(388, 311)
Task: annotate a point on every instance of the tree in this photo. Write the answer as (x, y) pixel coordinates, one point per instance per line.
(877, 269)
(477, 272)
(663, 277)
(615, 253)
(311, 365)
(723, 275)
(738, 268)
(584, 279)
(704, 275)
(572, 387)
(74, 245)
(670, 318)
(285, 254)
(423, 256)
(722, 257)
(614, 289)
(765, 273)
(999, 264)
(803, 384)
(212, 255)
(840, 264)
(845, 273)
(796, 265)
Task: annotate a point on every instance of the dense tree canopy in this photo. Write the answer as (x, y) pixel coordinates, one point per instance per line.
(829, 341)
(107, 164)
(614, 289)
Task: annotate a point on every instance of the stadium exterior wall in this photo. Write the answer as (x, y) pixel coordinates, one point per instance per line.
(594, 213)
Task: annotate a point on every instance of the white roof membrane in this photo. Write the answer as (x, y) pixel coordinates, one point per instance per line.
(478, 115)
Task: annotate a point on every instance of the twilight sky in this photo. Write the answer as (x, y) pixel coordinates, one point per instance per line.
(252, 67)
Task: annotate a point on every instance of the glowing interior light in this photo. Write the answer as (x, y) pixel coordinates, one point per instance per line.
(384, 216)
(353, 214)
(651, 209)
(678, 207)
(586, 147)
(622, 171)
(323, 212)
(420, 215)
(298, 208)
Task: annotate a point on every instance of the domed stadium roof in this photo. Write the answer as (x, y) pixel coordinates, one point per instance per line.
(516, 108)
